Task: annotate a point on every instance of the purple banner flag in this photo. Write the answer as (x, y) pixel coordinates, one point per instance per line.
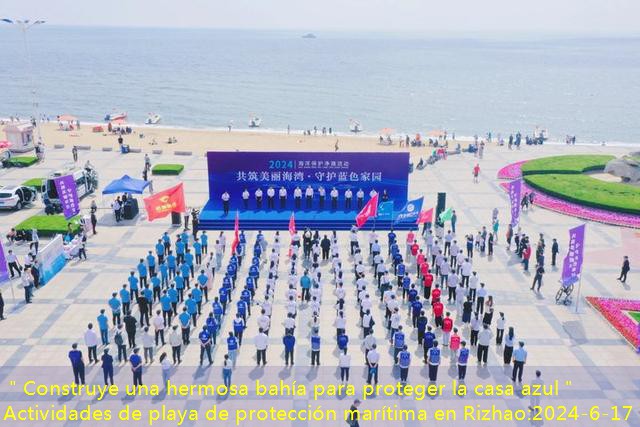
(572, 266)
(515, 194)
(68, 195)
(4, 271)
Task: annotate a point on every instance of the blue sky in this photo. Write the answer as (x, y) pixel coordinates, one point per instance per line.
(533, 16)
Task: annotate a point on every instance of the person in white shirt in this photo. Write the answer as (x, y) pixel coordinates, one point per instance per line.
(262, 342)
(500, 328)
(345, 363)
(367, 323)
(264, 321)
(373, 193)
(91, 341)
(35, 240)
(322, 194)
(292, 307)
(283, 197)
(225, 200)
(348, 195)
(308, 193)
(334, 198)
(258, 196)
(297, 197)
(158, 326)
(340, 324)
(271, 198)
(394, 321)
(373, 358)
(373, 236)
(465, 271)
(484, 340)
(175, 341)
(147, 345)
(13, 264)
(360, 198)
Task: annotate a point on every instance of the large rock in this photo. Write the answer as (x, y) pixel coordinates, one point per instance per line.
(627, 167)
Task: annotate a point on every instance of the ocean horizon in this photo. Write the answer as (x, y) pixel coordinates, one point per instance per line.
(205, 78)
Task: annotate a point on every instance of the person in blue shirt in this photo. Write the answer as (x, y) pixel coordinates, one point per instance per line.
(406, 286)
(188, 259)
(202, 282)
(142, 272)
(231, 272)
(254, 273)
(416, 308)
(401, 270)
(136, 367)
(196, 294)
(422, 326)
(463, 359)
(185, 271)
(238, 327)
(172, 262)
(151, 263)
(77, 363)
(205, 345)
(404, 361)
(427, 342)
(125, 297)
(185, 324)
(232, 348)
(217, 309)
(391, 236)
(245, 296)
(241, 307)
(166, 241)
(398, 342)
(179, 281)
(173, 294)
(412, 294)
(305, 284)
(289, 342)
(212, 327)
(192, 309)
(222, 292)
(133, 284)
(115, 305)
(343, 341)
(103, 325)
(197, 249)
(156, 286)
(315, 347)
(433, 359)
(180, 250)
(250, 286)
(160, 251)
(164, 274)
(167, 311)
(185, 239)
(204, 240)
(107, 367)
(147, 293)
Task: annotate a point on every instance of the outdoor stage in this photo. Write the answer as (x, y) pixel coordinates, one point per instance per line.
(212, 218)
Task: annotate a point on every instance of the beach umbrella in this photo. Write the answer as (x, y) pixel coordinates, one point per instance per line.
(121, 121)
(67, 118)
(387, 131)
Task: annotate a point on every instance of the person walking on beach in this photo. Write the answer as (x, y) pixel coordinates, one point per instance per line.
(625, 269)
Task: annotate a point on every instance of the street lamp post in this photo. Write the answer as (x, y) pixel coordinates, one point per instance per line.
(25, 25)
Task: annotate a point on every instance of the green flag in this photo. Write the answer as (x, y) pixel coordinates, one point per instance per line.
(446, 215)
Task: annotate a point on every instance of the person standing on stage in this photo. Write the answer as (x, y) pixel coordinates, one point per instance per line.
(334, 198)
(322, 193)
(283, 197)
(297, 197)
(308, 193)
(348, 195)
(225, 202)
(360, 197)
(258, 195)
(271, 198)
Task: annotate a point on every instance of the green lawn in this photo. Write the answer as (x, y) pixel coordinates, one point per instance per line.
(588, 191)
(49, 225)
(167, 169)
(34, 182)
(566, 164)
(635, 315)
(22, 161)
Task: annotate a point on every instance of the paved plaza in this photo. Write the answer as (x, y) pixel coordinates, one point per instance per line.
(580, 346)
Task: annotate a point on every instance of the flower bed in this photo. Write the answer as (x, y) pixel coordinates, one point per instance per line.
(615, 311)
(511, 171)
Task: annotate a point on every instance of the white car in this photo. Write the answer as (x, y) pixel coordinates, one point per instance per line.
(16, 196)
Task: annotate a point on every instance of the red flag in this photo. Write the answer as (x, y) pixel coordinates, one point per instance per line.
(425, 216)
(236, 234)
(292, 225)
(370, 210)
(163, 203)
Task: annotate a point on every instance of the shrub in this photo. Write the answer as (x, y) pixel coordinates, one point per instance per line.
(566, 164)
(49, 225)
(22, 161)
(34, 182)
(167, 169)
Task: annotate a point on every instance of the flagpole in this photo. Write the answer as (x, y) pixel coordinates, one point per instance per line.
(578, 295)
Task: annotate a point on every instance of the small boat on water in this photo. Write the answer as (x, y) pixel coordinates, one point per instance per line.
(355, 126)
(115, 116)
(153, 119)
(255, 122)
(309, 36)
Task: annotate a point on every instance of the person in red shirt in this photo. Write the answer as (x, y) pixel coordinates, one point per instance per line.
(415, 248)
(476, 173)
(410, 239)
(419, 261)
(424, 268)
(435, 294)
(427, 282)
(438, 309)
(526, 254)
(447, 326)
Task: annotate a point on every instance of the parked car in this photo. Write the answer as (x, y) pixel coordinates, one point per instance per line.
(16, 196)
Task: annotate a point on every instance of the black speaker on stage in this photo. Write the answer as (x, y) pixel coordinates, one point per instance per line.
(440, 207)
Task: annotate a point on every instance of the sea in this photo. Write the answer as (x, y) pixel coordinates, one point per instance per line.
(205, 78)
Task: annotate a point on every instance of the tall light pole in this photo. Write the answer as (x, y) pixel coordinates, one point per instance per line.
(24, 25)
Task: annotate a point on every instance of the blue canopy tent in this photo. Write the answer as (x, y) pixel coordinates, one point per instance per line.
(126, 184)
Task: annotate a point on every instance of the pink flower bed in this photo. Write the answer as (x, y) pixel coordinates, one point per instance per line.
(511, 171)
(569, 208)
(613, 310)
